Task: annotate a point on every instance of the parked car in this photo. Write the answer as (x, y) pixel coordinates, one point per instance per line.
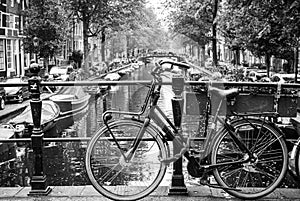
(62, 73)
(17, 93)
(2, 98)
(284, 78)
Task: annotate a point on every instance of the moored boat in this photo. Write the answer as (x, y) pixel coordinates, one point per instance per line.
(71, 100)
(23, 123)
(7, 150)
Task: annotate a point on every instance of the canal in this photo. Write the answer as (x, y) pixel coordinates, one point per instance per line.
(64, 162)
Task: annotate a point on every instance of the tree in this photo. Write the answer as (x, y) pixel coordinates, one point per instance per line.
(100, 17)
(146, 32)
(196, 20)
(44, 21)
(272, 28)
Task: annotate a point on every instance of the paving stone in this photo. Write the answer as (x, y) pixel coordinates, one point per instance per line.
(67, 190)
(88, 193)
(23, 192)
(90, 190)
(289, 193)
(9, 191)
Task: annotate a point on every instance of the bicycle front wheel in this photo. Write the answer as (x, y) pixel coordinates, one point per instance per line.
(256, 178)
(115, 177)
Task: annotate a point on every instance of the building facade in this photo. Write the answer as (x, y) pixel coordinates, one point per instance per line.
(12, 57)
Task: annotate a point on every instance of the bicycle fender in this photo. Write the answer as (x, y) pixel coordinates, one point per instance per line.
(266, 122)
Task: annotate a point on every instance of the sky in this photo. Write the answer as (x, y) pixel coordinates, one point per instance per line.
(159, 10)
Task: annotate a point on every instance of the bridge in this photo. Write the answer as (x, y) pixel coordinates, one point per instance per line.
(163, 55)
(285, 103)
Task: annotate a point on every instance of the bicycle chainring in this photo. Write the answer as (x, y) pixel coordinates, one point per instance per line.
(193, 167)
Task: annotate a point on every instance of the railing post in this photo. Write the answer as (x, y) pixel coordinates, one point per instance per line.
(38, 181)
(177, 184)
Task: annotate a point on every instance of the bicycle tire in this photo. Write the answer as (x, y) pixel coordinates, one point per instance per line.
(117, 179)
(252, 180)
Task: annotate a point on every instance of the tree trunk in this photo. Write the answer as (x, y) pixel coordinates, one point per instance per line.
(237, 57)
(203, 55)
(103, 46)
(268, 63)
(85, 24)
(296, 55)
(46, 63)
(214, 35)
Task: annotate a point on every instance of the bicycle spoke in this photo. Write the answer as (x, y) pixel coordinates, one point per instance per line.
(271, 168)
(228, 174)
(270, 157)
(115, 175)
(107, 173)
(264, 170)
(118, 178)
(264, 147)
(244, 180)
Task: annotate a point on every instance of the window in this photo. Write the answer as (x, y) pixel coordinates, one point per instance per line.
(4, 20)
(9, 54)
(12, 3)
(2, 55)
(17, 22)
(11, 21)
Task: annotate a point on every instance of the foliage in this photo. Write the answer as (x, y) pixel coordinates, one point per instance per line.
(191, 18)
(196, 20)
(44, 21)
(101, 17)
(147, 32)
(265, 27)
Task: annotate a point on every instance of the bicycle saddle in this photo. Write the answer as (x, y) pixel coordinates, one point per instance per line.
(224, 92)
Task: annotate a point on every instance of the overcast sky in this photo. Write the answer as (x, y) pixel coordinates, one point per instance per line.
(158, 9)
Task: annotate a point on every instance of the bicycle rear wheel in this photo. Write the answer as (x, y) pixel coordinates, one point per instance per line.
(117, 178)
(253, 179)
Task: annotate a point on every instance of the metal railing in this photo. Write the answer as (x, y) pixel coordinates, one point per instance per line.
(39, 181)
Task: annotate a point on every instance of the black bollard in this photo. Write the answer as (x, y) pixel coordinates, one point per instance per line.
(38, 181)
(178, 186)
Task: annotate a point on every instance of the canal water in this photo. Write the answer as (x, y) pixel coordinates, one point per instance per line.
(64, 162)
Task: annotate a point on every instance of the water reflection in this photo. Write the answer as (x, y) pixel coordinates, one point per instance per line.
(64, 162)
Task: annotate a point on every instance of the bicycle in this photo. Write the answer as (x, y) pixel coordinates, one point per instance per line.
(127, 159)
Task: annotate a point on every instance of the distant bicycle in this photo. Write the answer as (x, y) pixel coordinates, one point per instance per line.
(127, 159)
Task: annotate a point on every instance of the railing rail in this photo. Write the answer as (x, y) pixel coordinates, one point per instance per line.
(39, 184)
(122, 83)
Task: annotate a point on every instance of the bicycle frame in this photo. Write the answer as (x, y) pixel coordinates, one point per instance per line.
(248, 156)
(164, 123)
